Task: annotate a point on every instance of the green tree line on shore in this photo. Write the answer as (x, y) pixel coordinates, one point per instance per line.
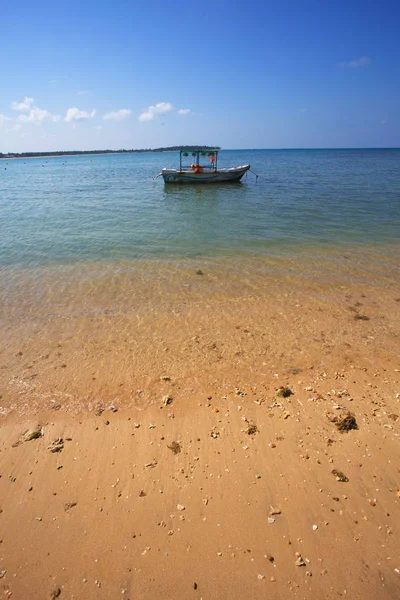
(122, 151)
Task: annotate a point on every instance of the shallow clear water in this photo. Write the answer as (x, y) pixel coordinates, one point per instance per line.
(108, 208)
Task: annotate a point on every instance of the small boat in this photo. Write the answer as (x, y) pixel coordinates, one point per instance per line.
(198, 172)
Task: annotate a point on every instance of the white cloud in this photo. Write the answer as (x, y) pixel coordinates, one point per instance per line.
(184, 111)
(17, 126)
(356, 62)
(37, 115)
(383, 122)
(150, 113)
(24, 106)
(82, 92)
(303, 110)
(74, 114)
(3, 119)
(117, 115)
(99, 127)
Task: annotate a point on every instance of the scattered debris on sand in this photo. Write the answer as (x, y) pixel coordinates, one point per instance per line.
(252, 429)
(274, 511)
(167, 400)
(175, 447)
(270, 558)
(300, 562)
(340, 476)
(344, 422)
(27, 436)
(33, 434)
(284, 392)
(57, 445)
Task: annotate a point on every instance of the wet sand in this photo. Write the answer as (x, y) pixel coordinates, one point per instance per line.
(118, 366)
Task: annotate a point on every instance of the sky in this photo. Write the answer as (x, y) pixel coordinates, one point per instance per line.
(85, 75)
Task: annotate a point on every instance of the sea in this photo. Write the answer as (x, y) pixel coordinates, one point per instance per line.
(324, 214)
(109, 278)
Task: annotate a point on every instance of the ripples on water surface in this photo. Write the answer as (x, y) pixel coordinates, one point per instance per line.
(323, 206)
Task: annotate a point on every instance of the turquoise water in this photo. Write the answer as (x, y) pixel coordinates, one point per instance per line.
(106, 208)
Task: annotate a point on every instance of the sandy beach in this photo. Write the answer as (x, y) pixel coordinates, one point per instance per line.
(166, 461)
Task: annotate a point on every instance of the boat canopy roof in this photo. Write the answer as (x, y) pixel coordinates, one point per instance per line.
(199, 149)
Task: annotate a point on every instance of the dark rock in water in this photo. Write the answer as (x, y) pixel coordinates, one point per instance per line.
(284, 392)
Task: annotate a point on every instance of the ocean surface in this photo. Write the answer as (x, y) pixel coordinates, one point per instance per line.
(109, 278)
(106, 210)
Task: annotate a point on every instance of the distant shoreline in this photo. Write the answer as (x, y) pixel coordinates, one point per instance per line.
(64, 153)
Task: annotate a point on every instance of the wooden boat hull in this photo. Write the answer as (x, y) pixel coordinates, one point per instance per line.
(219, 176)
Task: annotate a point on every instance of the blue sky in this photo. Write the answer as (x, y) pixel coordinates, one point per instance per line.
(255, 74)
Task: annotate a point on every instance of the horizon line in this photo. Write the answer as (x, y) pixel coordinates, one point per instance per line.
(43, 153)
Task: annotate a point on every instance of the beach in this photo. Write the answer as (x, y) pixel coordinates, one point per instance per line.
(200, 393)
(167, 464)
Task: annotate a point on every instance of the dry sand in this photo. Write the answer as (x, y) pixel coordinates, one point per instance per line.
(116, 509)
